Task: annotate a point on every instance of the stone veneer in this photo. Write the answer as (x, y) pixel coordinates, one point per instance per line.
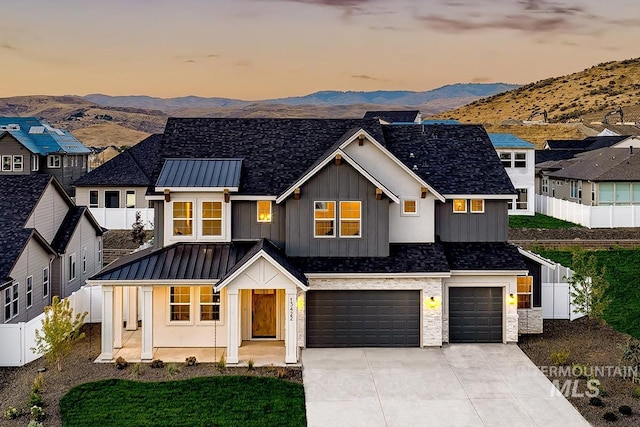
(512, 327)
(530, 321)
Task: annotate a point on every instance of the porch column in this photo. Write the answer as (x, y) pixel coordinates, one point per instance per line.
(232, 326)
(147, 322)
(291, 327)
(132, 310)
(107, 323)
(117, 316)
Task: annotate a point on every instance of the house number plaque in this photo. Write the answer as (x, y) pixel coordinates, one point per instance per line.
(291, 311)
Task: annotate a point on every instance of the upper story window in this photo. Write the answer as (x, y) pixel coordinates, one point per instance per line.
(6, 163)
(459, 206)
(410, 207)
(211, 218)
(545, 184)
(17, 163)
(324, 219)
(477, 205)
(35, 163)
(350, 219)
(12, 163)
(182, 218)
(53, 161)
(505, 158)
(93, 198)
(72, 267)
(130, 199)
(45, 282)
(520, 160)
(29, 291)
(513, 159)
(264, 211)
(180, 303)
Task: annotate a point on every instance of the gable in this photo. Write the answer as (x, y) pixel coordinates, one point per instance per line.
(632, 141)
(49, 212)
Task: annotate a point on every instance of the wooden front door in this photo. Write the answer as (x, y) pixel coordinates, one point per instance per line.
(263, 313)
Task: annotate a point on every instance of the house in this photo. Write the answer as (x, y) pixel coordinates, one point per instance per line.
(30, 146)
(100, 155)
(115, 191)
(395, 116)
(322, 233)
(518, 158)
(48, 245)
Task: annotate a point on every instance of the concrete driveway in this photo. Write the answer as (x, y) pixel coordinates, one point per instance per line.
(457, 385)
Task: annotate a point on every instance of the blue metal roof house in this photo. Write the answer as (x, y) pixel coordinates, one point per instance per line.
(32, 146)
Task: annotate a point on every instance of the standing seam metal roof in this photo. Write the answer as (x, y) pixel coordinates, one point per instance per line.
(200, 173)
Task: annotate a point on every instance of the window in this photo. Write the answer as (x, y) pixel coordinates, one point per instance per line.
(45, 282)
(573, 189)
(635, 195)
(180, 304)
(35, 162)
(622, 193)
(130, 199)
(618, 193)
(100, 252)
(182, 218)
(11, 303)
(410, 207)
(324, 219)
(93, 198)
(17, 163)
(350, 217)
(29, 291)
(521, 201)
(459, 206)
(525, 290)
(211, 218)
(84, 260)
(593, 193)
(209, 304)
(477, 205)
(505, 158)
(264, 211)
(53, 161)
(112, 199)
(520, 160)
(72, 267)
(6, 163)
(545, 184)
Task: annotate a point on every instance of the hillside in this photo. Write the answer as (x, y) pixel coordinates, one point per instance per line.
(583, 96)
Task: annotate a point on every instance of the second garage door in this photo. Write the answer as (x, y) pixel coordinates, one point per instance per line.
(475, 315)
(363, 319)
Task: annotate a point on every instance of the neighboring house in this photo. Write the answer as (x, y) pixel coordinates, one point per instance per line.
(30, 146)
(48, 246)
(116, 190)
(100, 155)
(400, 116)
(322, 233)
(518, 158)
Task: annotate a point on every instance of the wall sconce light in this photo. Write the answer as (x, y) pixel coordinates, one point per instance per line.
(338, 159)
(296, 194)
(423, 192)
(432, 302)
(378, 193)
(361, 139)
(227, 196)
(167, 195)
(300, 302)
(512, 299)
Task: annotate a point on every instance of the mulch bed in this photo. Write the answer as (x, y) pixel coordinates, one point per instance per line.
(15, 383)
(574, 233)
(594, 345)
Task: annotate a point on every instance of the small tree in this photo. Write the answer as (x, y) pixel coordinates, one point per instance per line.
(60, 331)
(588, 286)
(138, 233)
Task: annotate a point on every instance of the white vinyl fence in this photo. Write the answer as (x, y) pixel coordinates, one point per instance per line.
(122, 218)
(556, 295)
(589, 216)
(18, 339)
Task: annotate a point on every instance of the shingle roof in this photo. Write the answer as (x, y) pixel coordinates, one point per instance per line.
(403, 116)
(586, 144)
(483, 256)
(209, 173)
(69, 225)
(40, 138)
(132, 167)
(605, 164)
(507, 140)
(543, 156)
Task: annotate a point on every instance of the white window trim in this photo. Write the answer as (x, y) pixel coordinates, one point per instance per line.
(515, 160)
(8, 299)
(267, 220)
(471, 206)
(169, 304)
(199, 310)
(84, 260)
(504, 160)
(10, 163)
(94, 205)
(112, 191)
(29, 295)
(405, 213)
(194, 206)
(100, 254)
(13, 301)
(45, 283)
(200, 214)
(35, 163)
(15, 168)
(545, 184)
(335, 222)
(453, 206)
(340, 220)
(72, 267)
(526, 202)
(51, 163)
(126, 199)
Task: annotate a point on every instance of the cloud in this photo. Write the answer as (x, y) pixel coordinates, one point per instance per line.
(7, 46)
(480, 80)
(366, 77)
(191, 61)
(195, 58)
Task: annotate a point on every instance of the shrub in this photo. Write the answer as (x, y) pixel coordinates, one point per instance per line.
(137, 369)
(631, 352)
(10, 413)
(221, 364)
(37, 413)
(172, 369)
(35, 399)
(250, 365)
(191, 361)
(34, 423)
(625, 410)
(596, 401)
(636, 392)
(282, 373)
(157, 363)
(38, 383)
(561, 357)
(610, 416)
(121, 363)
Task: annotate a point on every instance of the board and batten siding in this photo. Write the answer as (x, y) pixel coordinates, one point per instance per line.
(10, 147)
(83, 237)
(337, 183)
(490, 226)
(48, 213)
(158, 219)
(31, 263)
(245, 225)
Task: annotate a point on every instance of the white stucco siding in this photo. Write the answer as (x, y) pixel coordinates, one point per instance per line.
(523, 178)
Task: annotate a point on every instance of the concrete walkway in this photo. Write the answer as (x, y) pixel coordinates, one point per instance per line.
(457, 385)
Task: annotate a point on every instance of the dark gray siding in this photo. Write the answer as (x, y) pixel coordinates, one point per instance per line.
(158, 223)
(337, 183)
(9, 146)
(245, 225)
(535, 270)
(490, 226)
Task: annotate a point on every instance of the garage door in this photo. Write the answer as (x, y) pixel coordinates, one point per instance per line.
(363, 319)
(475, 315)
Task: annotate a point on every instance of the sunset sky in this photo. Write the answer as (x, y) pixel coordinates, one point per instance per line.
(257, 49)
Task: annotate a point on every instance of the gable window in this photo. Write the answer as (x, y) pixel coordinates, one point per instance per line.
(35, 163)
(525, 291)
(112, 199)
(520, 160)
(17, 163)
(477, 205)
(324, 219)
(45, 282)
(72, 267)
(410, 207)
(53, 161)
(264, 211)
(84, 260)
(93, 198)
(209, 304)
(29, 291)
(179, 304)
(545, 184)
(212, 219)
(505, 158)
(459, 205)
(11, 303)
(182, 218)
(350, 218)
(130, 199)
(6, 163)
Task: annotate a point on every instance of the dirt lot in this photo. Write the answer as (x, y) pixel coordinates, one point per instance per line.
(574, 233)
(15, 383)
(595, 346)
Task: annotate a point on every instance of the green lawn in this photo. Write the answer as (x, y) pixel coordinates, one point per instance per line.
(539, 221)
(623, 274)
(209, 401)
